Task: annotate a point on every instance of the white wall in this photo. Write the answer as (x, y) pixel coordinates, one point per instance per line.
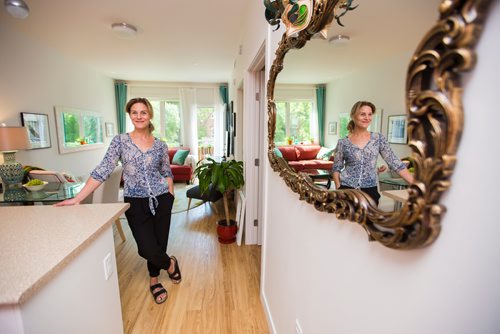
(34, 78)
(326, 274)
(383, 85)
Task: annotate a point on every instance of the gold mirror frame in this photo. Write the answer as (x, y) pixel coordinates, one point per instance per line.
(435, 122)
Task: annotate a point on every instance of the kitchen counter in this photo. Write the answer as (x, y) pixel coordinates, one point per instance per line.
(36, 242)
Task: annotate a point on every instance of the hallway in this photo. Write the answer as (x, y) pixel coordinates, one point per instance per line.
(219, 292)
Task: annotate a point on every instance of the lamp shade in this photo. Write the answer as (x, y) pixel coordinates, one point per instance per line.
(13, 138)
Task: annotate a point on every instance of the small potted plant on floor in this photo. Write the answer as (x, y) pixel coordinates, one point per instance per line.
(225, 176)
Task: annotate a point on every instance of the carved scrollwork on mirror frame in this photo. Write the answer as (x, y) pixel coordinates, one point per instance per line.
(435, 122)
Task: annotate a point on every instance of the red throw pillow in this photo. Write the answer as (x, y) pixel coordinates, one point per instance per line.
(307, 152)
(288, 152)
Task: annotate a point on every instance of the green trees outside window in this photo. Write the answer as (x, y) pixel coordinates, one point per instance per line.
(167, 121)
(81, 129)
(293, 119)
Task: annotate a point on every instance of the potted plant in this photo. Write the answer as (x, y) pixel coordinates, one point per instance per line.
(224, 176)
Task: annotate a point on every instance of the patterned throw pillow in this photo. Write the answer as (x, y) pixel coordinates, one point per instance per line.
(325, 153)
(179, 157)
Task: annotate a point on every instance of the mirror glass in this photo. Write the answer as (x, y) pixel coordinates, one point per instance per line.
(370, 65)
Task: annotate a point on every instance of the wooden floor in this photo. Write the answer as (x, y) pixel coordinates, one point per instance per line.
(219, 292)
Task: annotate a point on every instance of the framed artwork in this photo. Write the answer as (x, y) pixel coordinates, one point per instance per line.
(38, 129)
(376, 125)
(110, 129)
(240, 216)
(332, 128)
(397, 129)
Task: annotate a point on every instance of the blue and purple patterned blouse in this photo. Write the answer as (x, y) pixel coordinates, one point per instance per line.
(357, 167)
(144, 173)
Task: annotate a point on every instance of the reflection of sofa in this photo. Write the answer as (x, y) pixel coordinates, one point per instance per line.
(183, 170)
(302, 157)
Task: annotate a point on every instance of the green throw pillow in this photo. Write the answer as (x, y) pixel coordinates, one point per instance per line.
(179, 157)
(278, 152)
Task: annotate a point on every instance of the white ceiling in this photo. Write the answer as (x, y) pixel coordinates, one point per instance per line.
(179, 41)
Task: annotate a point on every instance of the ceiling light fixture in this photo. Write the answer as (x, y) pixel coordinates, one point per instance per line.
(339, 40)
(17, 8)
(124, 30)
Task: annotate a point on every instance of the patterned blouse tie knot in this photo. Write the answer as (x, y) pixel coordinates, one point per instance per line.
(153, 203)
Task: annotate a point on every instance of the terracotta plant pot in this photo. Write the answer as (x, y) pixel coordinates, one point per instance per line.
(227, 234)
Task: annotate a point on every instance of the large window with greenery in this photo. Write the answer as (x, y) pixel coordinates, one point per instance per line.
(78, 129)
(205, 119)
(167, 121)
(293, 122)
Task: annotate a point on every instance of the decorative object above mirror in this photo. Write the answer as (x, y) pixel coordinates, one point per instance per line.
(433, 109)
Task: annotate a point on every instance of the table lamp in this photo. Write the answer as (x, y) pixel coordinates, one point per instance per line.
(12, 139)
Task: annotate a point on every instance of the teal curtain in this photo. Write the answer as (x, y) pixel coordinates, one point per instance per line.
(121, 101)
(320, 103)
(223, 94)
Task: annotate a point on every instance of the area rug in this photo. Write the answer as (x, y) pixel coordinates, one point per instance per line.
(181, 201)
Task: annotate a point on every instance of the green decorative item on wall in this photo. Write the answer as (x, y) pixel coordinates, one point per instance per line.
(344, 119)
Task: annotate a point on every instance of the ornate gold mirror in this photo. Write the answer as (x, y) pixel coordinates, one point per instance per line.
(433, 111)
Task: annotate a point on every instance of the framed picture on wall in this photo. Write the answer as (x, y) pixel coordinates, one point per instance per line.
(397, 129)
(332, 128)
(376, 125)
(38, 129)
(110, 129)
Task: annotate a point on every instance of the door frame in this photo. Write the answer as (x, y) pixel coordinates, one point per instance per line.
(254, 141)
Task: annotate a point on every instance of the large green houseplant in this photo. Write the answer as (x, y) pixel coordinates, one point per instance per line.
(225, 176)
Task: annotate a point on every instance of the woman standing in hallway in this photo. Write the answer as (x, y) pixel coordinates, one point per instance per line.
(148, 187)
(356, 155)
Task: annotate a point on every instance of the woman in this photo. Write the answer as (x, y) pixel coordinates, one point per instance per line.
(356, 155)
(148, 187)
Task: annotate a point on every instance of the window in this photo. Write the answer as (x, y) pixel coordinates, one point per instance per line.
(293, 121)
(166, 120)
(78, 129)
(206, 132)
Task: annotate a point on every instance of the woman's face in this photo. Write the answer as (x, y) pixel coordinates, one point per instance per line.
(363, 118)
(140, 116)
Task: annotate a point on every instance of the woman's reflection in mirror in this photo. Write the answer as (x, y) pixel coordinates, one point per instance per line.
(356, 155)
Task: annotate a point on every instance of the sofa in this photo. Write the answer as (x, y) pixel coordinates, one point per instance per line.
(301, 157)
(182, 165)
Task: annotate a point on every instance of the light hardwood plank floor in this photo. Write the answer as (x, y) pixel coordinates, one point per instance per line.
(219, 292)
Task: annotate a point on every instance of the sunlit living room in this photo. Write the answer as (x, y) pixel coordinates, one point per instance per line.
(264, 87)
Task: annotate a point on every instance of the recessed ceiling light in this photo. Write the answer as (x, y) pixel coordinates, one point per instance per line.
(339, 40)
(124, 30)
(17, 8)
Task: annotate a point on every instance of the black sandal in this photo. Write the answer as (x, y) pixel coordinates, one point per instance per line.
(158, 293)
(176, 275)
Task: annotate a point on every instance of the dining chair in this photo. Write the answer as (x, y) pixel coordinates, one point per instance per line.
(108, 192)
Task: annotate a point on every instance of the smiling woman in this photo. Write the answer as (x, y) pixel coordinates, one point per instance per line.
(434, 114)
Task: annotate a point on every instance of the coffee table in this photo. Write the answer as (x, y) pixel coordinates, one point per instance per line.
(320, 174)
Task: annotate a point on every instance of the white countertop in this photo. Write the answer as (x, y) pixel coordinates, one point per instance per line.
(36, 242)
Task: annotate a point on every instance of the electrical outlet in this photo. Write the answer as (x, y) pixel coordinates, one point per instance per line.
(298, 329)
(108, 268)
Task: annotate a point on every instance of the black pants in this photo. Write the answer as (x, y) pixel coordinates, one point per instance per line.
(372, 192)
(151, 232)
